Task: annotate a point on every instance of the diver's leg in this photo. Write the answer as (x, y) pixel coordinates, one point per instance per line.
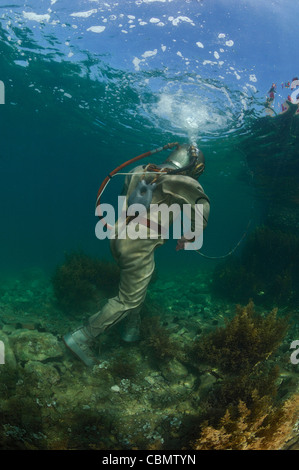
(130, 331)
(136, 261)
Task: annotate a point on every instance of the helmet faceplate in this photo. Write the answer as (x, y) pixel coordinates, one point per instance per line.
(182, 157)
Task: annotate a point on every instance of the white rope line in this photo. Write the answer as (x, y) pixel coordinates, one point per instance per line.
(133, 174)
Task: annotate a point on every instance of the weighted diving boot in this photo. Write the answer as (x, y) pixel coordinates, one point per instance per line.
(79, 342)
(131, 329)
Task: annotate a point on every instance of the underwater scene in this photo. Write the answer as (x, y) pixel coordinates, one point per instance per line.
(105, 342)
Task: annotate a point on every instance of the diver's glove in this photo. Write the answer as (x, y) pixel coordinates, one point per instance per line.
(181, 243)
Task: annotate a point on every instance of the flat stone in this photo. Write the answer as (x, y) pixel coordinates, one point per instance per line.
(207, 381)
(174, 371)
(31, 345)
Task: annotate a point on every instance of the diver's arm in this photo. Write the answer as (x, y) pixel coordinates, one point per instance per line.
(201, 207)
(199, 212)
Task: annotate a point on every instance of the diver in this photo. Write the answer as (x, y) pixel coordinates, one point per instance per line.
(175, 182)
(271, 94)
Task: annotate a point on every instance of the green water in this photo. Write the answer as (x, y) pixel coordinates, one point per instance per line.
(63, 128)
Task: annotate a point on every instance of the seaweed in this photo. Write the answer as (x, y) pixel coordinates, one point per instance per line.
(267, 270)
(121, 367)
(264, 427)
(156, 341)
(247, 339)
(243, 410)
(80, 280)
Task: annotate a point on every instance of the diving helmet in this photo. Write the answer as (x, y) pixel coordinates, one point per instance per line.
(186, 159)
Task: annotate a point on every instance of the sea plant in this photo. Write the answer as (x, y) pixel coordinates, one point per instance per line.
(264, 427)
(266, 271)
(157, 343)
(81, 280)
(243, 409)
(247, 339)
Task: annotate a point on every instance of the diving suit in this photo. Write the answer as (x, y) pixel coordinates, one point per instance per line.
(175, 182)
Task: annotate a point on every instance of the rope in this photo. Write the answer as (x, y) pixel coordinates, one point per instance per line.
(231, 251)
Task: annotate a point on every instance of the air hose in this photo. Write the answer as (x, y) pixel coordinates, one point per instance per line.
(127, 163)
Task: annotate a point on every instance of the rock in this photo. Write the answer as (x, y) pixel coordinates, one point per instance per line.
(182, 331)
(174, 371)
(30, 345)
(150, 380)
(45, 374)
(115, 388)
(189, 381)
(8, 329)
(207, 381)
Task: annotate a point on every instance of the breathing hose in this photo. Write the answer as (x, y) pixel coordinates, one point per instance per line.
(127, 163)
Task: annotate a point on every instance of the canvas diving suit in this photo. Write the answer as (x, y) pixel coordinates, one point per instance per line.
(174, 183)
(136, 257)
